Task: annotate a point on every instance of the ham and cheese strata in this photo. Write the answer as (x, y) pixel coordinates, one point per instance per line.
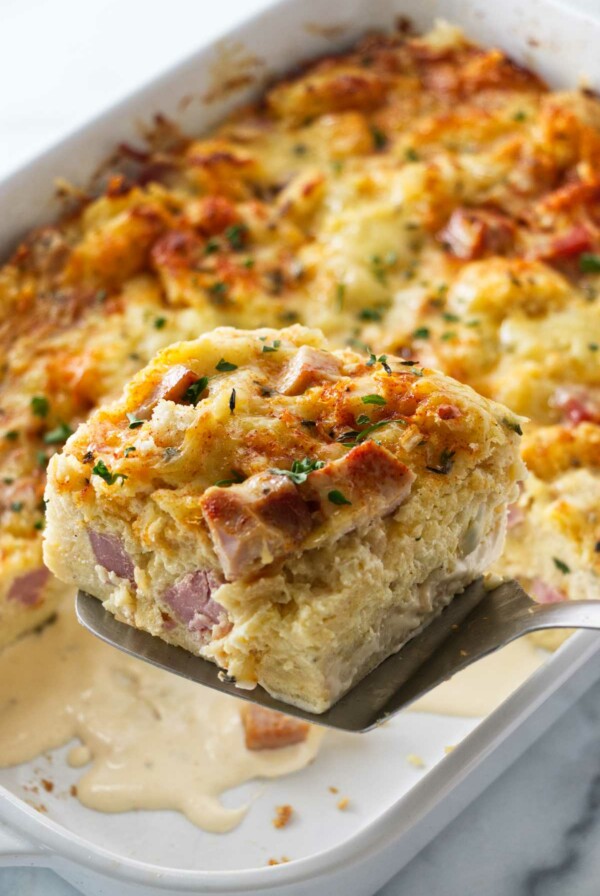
(422, 195)
(291, 513)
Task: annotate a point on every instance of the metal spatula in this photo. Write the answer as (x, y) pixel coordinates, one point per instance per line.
(476, 623)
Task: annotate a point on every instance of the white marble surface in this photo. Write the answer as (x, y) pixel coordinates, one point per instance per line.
(535, 832)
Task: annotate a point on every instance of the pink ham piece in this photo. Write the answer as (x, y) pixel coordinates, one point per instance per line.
(190, 600)
(308, 367)
(172, 387)
(471, 233)
(27, 589)
(546, 594)
(448, 412)
(369, 477)
(577, 404)
(110, 554)
(254, 523)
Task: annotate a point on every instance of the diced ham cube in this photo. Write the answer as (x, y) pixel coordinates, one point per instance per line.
(27, 589)
(190, 600)
(567, 245)
(172, 387)
(254, 523)
(546, 594)
(470, 233)
(577, 404)
(308, 367)
(265, 729)
(369, 477)
(111, 555)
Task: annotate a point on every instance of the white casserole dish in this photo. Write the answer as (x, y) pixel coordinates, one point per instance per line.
(395, 809)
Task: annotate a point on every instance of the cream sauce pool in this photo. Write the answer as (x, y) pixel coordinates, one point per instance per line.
(150, 740)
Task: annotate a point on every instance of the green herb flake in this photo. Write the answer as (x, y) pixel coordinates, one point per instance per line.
(589, 263)
(211, 246)
(373, 399)
(362, 419)
(194, 391)
(380, 139)
(225, 366)
(236, 478)
(561, 565)
(445, 464)
(218, 291)
(129, 450)
(42, 459)
(308, 423)
(17, 506)
(411, 154)
(39, 525)
(593, 346)
(340, 296)
(248, 262)
(336, 497)
(101, 470)
(520, 115)
(300, 470)
(369, 314)
(236, 236)
(450, 318)
(448, 336)
(512, 424)
(421, 333)
(58, 435)
(134, 422)
(272, 348)
(232, 401)
(159, 323)
(40, 406)
(12, 435)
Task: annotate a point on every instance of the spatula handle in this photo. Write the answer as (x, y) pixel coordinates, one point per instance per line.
(565, 614)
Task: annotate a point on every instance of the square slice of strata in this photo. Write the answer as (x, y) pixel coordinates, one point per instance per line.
(292, 513)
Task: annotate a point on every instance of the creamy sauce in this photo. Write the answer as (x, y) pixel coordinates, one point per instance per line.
(151, 740)
(480, 688)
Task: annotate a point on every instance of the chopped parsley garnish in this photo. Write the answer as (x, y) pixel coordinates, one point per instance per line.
(248, 262)
(159, 322)
(308, 422)
(101, 470)
(354, 437)
(380, 139)
(382, 359)
(134, 422)
(589, 263)
(451, 318)
(336, 497)
(218, 291)
(373, 399)
(512, 424)
(340, 295)
(58, 435)
(520, 116)
(17, 506)
(299, 149)
(211, 246)
(194, 390)
(236, 236)
(446, 462)
(473, 323)
(7, 480)
(421, 333)
(411, 155)
(40, 406)
(42, 459)
(236, 477)
(593, 346)
(232, 401)
(39, 525)
(12, 435)
(224, 366)
(561, 565)
(362, 419)
(381, 264)
(369, 314)
(129, 450)
(272, 348)
(597, 547)
(300, 470)
(408, 363)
